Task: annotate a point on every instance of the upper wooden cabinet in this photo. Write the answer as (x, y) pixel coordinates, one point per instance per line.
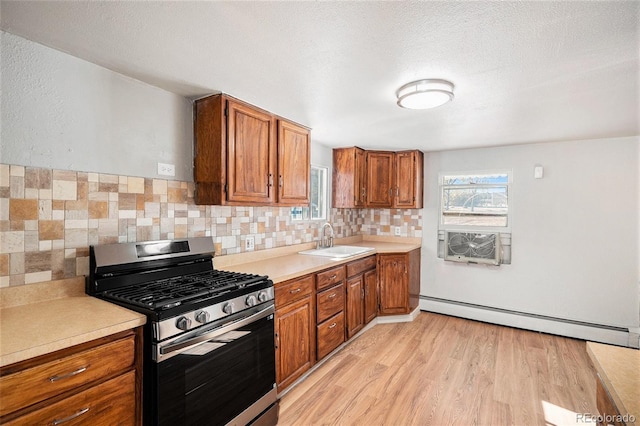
(380, 179)
(293, 164)
(349, 177)
(409, 178)
(377, 179)
(247, 156)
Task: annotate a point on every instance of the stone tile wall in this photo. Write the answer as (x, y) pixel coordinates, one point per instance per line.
(49, 218)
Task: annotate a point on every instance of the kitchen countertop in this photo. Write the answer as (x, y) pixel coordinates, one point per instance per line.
(619, 370)
(38, 319)
(286, 264)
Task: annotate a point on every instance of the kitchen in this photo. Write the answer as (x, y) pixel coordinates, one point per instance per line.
(76, 139)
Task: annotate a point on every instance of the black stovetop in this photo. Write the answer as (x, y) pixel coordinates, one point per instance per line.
(174, 291)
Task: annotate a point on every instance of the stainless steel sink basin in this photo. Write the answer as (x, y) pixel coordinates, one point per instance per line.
(340, 252)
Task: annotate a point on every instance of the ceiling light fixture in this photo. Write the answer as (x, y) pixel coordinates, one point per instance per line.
(424, 94)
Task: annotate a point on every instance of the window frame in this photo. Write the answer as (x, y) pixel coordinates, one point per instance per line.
(470, 227)
(306, 210)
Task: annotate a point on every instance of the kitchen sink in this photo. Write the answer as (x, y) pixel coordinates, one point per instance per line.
(340, 252)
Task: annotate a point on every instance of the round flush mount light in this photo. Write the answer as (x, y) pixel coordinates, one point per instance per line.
(424, 94)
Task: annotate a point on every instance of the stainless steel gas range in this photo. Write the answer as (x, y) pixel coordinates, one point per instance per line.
(209, 354)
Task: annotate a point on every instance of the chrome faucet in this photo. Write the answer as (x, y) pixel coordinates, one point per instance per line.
(325, 241)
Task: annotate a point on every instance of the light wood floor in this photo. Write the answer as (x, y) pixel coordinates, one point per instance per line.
(440, 370)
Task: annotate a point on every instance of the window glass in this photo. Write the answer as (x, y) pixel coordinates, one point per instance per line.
(317, 209)
(475, 200)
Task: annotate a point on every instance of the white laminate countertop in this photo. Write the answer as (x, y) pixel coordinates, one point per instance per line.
(28, 330)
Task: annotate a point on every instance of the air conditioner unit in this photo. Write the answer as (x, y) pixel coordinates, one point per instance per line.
(472, 247)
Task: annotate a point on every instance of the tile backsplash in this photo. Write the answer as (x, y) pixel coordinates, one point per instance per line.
(49, 218)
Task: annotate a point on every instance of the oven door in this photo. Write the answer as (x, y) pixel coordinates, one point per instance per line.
(217, 376)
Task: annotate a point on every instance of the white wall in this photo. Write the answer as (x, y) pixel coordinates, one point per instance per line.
(575, 233)
(65, 113)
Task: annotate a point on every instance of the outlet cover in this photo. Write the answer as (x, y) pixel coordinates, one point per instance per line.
(166, 169)
(249, 244)
(396, 231)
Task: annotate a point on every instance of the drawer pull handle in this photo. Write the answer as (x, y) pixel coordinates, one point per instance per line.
(71, 417)
(297, 290)
(334, 276)
(64, 376)
(332, 296)
(333, 325)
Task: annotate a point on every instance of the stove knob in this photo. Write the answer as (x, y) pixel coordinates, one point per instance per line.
(183, 323)
(262, 296)
(228, 308)
(251, 300)
(203, 317)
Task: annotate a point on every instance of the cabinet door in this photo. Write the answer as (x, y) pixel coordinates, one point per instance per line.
(370, 295)
(293, 164)
(295, 338)
(355, 305)
(360, 187)
(349, 174)
(379, 178)
(408, 178)
(251, 154)
(394, 290)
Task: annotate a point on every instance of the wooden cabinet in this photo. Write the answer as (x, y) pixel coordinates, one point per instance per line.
(377, 179)
(294, 329)
(247, 156)
(349, 178)
(398, 282)
(370, 295)
(362, 296)
(98, 382)
(395, 179)
(409, 179)
(330, 309)
(294, 166)
(380, 179)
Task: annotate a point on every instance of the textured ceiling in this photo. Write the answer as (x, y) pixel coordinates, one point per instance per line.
(524, 71)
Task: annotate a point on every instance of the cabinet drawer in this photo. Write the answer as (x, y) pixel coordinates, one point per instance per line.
(359, 266)
(293, 290)
(330, 302)
(36, 384)
(330, 277)
(111, 402)
(330, 334)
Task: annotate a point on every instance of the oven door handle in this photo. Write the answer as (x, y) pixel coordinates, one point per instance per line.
(173, 347)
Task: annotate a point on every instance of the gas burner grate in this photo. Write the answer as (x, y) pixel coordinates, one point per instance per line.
(174, 291)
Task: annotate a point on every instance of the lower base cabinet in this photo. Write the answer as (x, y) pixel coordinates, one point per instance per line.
(362, 294)
(399, 282)
(294, 329)
(97, 383)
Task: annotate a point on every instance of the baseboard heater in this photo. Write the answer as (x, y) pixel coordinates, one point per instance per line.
(561, 326)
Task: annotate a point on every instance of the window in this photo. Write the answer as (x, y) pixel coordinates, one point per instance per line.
(475, 200)
(317, 209)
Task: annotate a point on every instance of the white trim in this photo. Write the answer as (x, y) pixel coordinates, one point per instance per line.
(549, 325)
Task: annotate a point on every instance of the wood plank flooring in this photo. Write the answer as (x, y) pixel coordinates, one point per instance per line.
(441, 370)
